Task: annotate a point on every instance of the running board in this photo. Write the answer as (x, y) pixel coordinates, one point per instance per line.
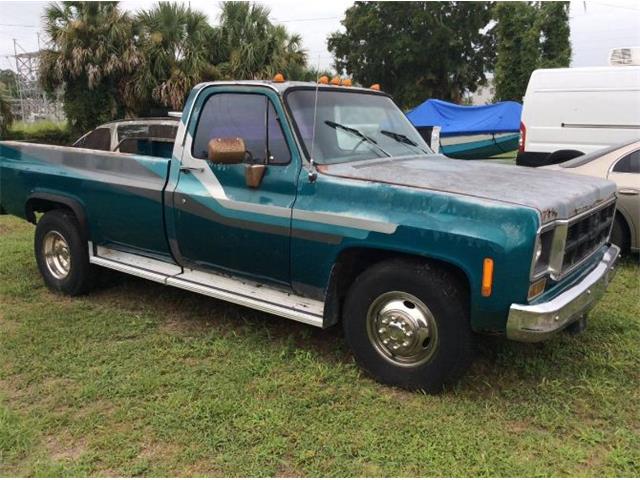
(242, 292)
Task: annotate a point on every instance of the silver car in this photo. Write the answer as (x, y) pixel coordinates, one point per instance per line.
(621, 164)
(144, 136)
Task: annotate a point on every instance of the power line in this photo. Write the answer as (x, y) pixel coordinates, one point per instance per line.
(18, 25)
(291, 20)
(624, 7)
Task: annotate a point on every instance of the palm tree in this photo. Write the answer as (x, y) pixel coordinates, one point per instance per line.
(93, 53)
(249, 46)
(176, 42)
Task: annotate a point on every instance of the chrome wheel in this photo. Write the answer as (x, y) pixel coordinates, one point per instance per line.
(57, 255)
(402, 329)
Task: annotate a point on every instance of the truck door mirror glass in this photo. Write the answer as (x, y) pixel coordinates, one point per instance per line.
(227, 150)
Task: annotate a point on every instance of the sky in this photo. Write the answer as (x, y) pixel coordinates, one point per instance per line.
(596, 26)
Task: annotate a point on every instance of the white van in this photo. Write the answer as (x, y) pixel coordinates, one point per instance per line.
(568, 112)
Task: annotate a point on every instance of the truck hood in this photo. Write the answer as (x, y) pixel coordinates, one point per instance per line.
(556, 195)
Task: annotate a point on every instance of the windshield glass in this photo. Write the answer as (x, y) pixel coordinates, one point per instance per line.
(353, 126)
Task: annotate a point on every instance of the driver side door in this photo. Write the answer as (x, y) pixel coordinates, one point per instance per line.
(222, 223)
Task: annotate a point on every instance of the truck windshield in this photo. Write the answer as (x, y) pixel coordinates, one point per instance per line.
(352, 126)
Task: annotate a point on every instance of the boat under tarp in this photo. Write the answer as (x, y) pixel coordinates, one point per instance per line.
(469, 132)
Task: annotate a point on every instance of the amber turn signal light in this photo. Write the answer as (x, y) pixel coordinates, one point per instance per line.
(487, 277)
(537, 288)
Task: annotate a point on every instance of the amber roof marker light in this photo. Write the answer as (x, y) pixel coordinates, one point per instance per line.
(278, 78)
(323, 80)
(336, 80)
(375, 86)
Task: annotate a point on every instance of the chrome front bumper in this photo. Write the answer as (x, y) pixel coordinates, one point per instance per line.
(538, 322)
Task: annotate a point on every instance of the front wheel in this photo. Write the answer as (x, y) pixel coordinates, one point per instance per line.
(407, 324)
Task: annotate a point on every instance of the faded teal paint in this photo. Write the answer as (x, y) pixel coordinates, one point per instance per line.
(283, 248)
(107, 198)
(459, 230)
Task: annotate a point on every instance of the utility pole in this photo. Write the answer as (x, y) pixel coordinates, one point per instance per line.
(15, 51)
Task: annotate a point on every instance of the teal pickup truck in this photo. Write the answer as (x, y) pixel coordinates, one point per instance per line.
(322, 204)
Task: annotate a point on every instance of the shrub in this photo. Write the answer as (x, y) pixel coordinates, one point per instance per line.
(55, 133)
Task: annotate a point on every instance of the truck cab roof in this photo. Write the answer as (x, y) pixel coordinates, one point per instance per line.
(282, 87)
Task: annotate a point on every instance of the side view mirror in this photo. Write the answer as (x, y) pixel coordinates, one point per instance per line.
(226, 150)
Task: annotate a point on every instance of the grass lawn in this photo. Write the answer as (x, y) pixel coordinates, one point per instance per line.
(141, 379)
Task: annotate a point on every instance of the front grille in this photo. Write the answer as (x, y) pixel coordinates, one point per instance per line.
(587, 234)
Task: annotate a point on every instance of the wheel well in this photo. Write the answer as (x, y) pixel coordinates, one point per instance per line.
(625, 226)
(45, 203)
(354, 261)
(39, 205)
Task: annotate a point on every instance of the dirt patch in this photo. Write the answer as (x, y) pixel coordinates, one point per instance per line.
(200, 468)
(157, 450)
(286, 470)
(64, 448)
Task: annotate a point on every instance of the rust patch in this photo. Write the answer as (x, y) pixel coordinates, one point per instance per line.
(548, 214)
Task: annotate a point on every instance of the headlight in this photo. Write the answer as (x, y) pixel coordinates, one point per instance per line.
(542, 253)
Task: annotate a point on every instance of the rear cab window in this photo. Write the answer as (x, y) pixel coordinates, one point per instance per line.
(155, 140)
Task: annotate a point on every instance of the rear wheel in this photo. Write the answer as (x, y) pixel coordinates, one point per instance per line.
(62, 254)
(407, 324)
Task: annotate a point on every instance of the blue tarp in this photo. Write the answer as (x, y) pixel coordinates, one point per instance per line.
(457, 119)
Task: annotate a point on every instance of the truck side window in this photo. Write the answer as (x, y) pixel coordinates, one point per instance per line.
(278, 149)
(246, 116)
(99, 139)
(629, 163)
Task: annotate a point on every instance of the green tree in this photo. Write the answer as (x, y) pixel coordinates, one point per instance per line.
(176, 44)
(553, 24)
(250, 46)
(528, 36)
(416, 50)
(6, 118)
(92, 56)
(10, 80)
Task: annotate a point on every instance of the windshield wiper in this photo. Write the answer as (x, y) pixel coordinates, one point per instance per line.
(402, 138)
(357, 133)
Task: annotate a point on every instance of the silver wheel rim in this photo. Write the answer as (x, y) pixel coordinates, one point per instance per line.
(57, 255)
(402, 329)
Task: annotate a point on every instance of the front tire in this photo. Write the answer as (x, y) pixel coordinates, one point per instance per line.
(62, 254)
(407, 324)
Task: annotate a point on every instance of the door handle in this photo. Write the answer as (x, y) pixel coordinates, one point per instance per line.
(191, 169)
(628, 191)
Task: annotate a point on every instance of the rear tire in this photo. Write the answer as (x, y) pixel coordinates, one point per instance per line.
(407, 324)
(62, 254)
